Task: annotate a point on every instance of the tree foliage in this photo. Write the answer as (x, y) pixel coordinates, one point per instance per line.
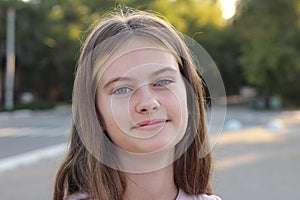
(269, 33)
(259, 46)
(49, 35)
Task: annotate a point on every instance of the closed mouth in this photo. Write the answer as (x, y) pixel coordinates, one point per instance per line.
(150, 123)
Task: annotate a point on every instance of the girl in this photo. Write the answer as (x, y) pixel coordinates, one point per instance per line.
(139, 129)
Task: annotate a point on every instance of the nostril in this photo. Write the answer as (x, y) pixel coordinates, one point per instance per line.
(144, 110)
(154, 107)
(146, 107)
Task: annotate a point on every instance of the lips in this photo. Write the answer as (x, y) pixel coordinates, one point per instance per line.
(151, 124)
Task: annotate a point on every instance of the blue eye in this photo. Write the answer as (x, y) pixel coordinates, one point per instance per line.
(122, 90)
(163, 82)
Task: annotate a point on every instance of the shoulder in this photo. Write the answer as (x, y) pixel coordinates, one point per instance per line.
(184, 196)
(208, 197)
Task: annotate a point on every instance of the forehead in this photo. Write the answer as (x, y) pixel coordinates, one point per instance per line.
(137, 54)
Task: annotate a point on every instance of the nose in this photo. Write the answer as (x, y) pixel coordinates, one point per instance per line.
(146, 101)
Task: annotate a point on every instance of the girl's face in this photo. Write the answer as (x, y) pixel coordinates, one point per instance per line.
(142, 98)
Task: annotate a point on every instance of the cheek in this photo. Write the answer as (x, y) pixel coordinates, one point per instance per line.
(116, 116)
(104, 107)
(114, 123)
(176, 104)
(120, 111)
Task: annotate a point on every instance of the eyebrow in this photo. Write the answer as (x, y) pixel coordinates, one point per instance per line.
(167, 69)
(122, 78)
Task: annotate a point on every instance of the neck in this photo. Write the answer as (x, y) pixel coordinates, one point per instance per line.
(158, 185)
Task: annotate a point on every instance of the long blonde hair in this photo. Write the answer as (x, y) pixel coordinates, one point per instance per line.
(81, 171)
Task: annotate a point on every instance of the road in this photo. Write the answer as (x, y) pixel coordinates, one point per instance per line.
(25, 131)
(257, 154)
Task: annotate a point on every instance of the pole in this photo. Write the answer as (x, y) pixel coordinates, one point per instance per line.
(10, 59)
(0, 80)
(0, 86)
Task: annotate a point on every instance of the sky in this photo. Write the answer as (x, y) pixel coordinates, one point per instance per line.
(228, 7)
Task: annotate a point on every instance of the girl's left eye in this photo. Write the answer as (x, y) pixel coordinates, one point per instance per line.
(122, 90)
(163, 82)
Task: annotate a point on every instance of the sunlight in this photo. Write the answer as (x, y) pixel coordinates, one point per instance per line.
(228, 8)
(238, 160)
(254, 135)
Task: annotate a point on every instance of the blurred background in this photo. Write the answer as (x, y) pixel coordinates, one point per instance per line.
(254, 43)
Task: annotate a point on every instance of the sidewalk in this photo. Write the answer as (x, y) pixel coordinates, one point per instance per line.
(30, 182)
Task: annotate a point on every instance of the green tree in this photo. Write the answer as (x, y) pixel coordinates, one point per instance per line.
(190, 16)
(268, 30)
(49, 35)
(224, 46)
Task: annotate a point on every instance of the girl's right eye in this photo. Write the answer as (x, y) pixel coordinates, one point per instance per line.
(121, 91)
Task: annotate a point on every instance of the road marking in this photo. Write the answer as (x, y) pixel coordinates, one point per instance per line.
(31, 157)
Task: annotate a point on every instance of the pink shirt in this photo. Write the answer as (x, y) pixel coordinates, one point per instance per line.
(181, 196)
(184, 196)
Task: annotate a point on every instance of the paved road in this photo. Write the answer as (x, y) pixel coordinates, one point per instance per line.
(24, 131)
(256, 158)
(258, 163)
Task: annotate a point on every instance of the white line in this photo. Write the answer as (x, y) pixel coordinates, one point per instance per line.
(31, 157)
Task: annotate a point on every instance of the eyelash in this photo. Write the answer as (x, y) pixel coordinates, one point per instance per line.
(118, 91)
(165, 80)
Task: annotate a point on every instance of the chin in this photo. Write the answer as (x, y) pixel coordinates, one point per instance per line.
(155, 144)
